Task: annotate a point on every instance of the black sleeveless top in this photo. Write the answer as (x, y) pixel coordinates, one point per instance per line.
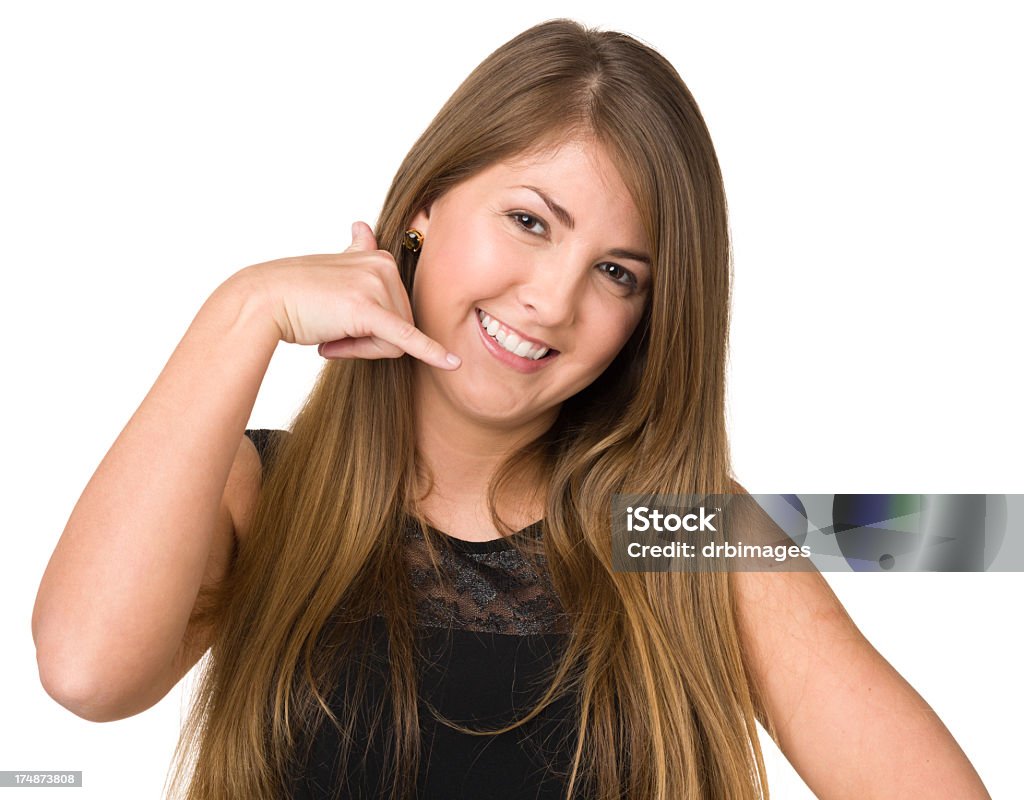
(488, 640)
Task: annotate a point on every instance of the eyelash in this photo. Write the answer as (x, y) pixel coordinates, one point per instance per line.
(630, 283)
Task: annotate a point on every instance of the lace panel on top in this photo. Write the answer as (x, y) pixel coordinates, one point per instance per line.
(490, 587)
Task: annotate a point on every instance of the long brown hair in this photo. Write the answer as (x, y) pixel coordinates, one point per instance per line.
(666, 706)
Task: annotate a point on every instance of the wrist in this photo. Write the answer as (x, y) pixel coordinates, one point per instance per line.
(246, 304)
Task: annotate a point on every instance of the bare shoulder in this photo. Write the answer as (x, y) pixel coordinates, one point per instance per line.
(844, 717)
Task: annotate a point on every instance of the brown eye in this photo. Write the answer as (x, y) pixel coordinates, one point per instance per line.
(528, 222)
(620, 275)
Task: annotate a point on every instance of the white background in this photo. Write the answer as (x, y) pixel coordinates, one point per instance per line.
(872, 161)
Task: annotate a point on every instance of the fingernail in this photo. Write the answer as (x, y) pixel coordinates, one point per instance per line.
(453, 359)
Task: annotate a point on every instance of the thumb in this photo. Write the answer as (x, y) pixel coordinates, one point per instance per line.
(362, 238)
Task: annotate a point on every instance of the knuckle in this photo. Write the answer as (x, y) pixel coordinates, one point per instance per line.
(371, 284)
(383, 260)
(366, 304)
(406, 331)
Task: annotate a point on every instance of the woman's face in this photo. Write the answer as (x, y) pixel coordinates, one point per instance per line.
(552, 250)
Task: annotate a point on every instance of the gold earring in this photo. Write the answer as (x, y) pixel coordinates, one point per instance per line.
(413, 240)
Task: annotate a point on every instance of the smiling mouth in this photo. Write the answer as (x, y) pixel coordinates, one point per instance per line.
(512, 341)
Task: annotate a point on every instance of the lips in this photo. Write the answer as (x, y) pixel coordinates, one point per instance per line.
(511, 340)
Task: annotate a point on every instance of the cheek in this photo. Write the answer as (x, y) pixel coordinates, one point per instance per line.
(618, 325)
(437, 273)
(445, 288)
(470, 270)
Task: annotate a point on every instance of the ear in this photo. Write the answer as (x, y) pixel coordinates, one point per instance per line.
(421, 221)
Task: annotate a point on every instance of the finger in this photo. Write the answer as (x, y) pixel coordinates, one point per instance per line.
(362, 238)
(390, 327)
(359, 347)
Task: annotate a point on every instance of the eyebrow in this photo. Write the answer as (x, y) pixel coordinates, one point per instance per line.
(629, 254)
(563, 216)
(568, 221)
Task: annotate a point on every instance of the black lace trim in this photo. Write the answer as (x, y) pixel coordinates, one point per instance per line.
(501, 586)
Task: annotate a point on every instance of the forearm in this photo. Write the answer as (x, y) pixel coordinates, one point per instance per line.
(121, 583)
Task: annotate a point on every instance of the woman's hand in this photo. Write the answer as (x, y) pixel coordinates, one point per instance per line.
(352, 304)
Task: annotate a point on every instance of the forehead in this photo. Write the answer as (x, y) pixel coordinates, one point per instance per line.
(578, 174)
(578, 161)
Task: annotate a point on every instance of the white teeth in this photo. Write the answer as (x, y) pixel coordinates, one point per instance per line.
(511, 341)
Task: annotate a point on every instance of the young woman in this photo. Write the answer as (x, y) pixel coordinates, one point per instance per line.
(411, 593)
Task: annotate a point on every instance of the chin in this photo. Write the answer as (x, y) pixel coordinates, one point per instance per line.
(495, 414)
(498, 409)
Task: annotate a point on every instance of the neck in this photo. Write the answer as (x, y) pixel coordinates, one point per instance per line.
(461, 456)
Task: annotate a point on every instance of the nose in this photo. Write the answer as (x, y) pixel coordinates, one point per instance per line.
(552, 290)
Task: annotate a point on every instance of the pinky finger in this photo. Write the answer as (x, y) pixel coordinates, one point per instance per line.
(359, 347)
